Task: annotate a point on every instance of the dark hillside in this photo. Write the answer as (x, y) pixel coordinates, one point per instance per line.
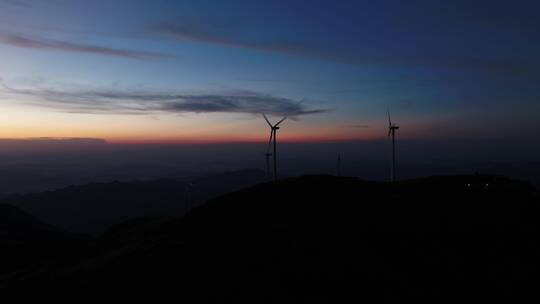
(324, 239)
(27, 241)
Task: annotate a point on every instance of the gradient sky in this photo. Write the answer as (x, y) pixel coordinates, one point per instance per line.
(203, 71)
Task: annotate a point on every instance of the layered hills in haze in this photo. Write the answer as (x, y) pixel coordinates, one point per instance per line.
(94, 207)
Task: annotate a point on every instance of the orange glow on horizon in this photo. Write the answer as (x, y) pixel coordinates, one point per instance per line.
(235, 139)
(207, 129)
(309, 135)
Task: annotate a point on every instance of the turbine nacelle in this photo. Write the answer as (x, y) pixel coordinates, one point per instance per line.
(273, 134)
(392, 127)
(274, 127)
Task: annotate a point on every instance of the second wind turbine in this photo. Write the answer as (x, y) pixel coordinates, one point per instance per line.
(273, 136)
(392, 132)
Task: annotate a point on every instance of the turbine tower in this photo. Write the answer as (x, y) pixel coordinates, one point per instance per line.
(273, 135)
(392, 132)
(268, 153)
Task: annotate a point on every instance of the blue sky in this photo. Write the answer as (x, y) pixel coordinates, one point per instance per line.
(186, 70)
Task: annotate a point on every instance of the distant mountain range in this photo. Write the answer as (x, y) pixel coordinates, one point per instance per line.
(318, 239)
(94, 207)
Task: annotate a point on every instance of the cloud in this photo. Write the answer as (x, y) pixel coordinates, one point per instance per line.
(16, 3)
(122, 102)
(205, 34)
(47, 44)
(199, 33)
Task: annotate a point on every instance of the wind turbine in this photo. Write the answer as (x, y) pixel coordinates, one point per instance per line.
(392, 132)
(273, 135)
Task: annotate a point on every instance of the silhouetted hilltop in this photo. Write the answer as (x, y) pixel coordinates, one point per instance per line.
(94, 207)
(14, 221)
(25, 240)
(322, 239)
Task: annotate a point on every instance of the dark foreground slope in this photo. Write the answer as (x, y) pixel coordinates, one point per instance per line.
(25, 241)
(321, 239)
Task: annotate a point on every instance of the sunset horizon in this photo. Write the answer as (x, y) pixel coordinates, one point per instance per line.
(186, 73)
(270, 151)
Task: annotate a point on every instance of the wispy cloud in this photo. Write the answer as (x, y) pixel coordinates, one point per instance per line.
(199, 33)
(205, 34)
(55, 45)
(122, 102)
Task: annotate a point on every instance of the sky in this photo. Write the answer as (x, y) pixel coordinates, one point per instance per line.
(198, 71)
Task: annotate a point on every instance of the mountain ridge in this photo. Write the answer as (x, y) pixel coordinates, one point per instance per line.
(92, 208)
(322, 239)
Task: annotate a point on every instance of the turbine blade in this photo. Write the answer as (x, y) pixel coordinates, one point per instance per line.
(389, 132)
(280, 121)
(389, 119)
(270, 142)
(267, 121)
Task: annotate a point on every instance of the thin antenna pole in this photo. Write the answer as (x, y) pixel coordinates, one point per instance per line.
(275, 155)
(187, 196)
(339, 164)
(186, 199)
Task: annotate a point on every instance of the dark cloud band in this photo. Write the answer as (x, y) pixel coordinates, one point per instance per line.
(47, 44)
(115, 102)
(205, 34)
